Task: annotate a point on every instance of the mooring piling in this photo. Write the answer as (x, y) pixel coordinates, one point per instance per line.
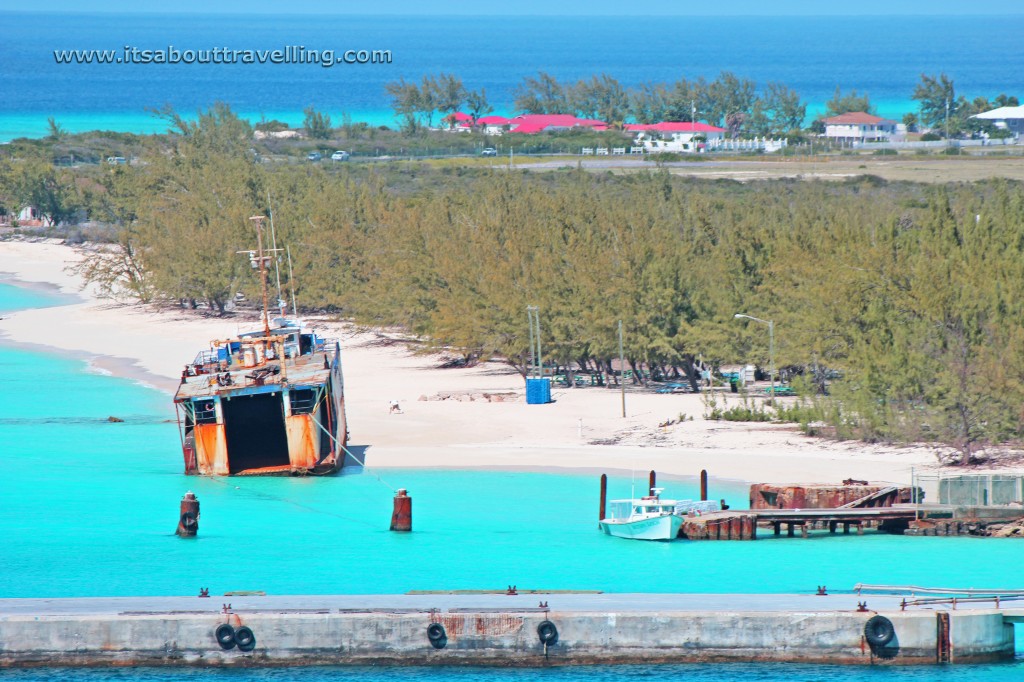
(401, 512)
(188, 516)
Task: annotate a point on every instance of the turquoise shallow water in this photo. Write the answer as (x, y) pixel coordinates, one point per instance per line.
(90, 509)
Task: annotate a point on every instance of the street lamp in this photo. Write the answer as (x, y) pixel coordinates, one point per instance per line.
(771, 345)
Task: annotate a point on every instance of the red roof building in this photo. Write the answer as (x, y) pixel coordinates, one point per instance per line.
(694, 127)
(859, 126)
(535, 123)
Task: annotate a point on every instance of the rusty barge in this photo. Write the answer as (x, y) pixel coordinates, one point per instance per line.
(267, 402)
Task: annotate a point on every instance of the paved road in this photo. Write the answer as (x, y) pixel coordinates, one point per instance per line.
(621, 603)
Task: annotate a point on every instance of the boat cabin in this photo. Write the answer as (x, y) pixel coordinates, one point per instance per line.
(625, 509)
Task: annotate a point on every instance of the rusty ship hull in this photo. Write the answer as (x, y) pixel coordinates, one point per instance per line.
(264, 404)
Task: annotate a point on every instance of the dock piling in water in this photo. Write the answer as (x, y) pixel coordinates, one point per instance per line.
(188, 516)
(401, 513)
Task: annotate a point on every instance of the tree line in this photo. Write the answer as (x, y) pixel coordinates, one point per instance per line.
(729, 101)
(913, 294)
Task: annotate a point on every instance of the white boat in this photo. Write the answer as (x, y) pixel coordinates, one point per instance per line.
(645, 518)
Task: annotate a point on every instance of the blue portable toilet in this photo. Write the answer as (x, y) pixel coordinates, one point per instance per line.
(538, 391)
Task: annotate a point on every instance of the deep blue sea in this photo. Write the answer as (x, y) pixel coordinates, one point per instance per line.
(882, 56)
(90, 508)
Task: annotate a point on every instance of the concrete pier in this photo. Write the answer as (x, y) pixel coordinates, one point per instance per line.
(493, 629)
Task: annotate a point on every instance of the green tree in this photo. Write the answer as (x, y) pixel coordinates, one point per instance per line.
(449, 93)
(728, 99)
(602, 98)
(317, 124)
(53, 193)
(477, 104)
(56, 131)
(850, 102)
(405, 101)
(783, 108)
(688, 101)
(542, 94)
(650, 103)
(936, 97)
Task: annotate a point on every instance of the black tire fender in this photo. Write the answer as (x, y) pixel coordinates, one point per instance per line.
(225, 635)
(437, 635)
(189, 521)
(245, 639)
(547, 632)
(879, 631)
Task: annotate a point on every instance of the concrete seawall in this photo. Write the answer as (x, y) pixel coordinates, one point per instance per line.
(486, 630)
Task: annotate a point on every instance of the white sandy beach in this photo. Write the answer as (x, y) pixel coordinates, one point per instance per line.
(152, 345)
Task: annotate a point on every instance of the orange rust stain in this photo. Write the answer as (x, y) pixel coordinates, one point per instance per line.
(211, 449)
(453, 625)
(302, 440)
(497, 625)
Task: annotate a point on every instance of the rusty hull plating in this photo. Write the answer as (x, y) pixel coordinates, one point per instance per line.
(264, 404)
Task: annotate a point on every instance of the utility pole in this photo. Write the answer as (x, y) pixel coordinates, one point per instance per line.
(947, 120)
(533, 317)
(622, 372)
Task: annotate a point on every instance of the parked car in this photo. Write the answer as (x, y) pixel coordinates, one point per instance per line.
(340, 156)
(116, 160)
(489, 151)
(313, 156)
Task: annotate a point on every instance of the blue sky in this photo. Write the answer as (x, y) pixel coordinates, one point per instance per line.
(528, 7)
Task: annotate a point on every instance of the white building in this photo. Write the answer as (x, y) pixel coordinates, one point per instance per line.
(675, 136)
(859, 126)
(1005, 118)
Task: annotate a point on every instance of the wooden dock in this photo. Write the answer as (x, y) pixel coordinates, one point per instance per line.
(742, 524)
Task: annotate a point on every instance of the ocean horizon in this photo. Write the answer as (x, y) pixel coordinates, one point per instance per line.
(882, 56)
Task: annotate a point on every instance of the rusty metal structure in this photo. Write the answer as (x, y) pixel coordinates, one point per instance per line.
(819, 496)
(188, 516)
(267, 402)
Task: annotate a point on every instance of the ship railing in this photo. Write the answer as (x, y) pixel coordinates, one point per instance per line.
(205, 357)
(325, 344)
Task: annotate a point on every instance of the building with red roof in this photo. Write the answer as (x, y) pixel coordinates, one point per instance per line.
(533, 123)
(859, 126)
(675, 136)
(695, 127)
(538, 123)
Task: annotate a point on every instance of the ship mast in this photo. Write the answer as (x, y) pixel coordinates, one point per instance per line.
(258, 259)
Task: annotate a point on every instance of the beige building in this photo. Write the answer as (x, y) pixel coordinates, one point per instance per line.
(859, 126)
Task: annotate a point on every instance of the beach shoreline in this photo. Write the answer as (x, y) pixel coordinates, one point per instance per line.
(581, 432)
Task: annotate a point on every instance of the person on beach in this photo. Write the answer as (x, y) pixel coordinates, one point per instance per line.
(394, 408)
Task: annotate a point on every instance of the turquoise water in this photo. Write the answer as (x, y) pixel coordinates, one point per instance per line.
(731, 672)
(107, 494)
(90, 509)
(20, 298)
(883, 56)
